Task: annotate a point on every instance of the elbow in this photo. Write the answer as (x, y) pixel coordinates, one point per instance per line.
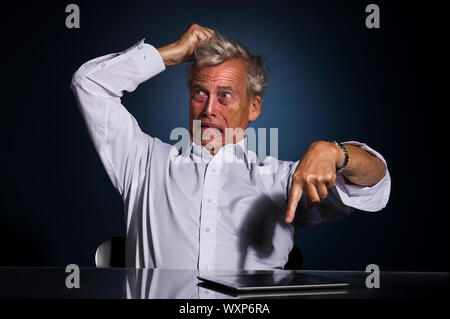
(375, 173)
(80, 75)
(381, 170)
(77, 79)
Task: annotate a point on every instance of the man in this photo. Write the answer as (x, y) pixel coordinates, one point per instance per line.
(210, 213)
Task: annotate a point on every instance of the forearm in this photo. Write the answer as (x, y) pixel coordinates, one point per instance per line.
(316, 176)
(114, 73)
(99, 84)
(363, 168)
(170, 54)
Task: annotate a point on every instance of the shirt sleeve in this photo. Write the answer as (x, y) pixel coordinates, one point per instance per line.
(369, 199)
(344, 198)
(98, 86)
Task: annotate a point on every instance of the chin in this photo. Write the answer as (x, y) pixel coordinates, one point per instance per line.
(212, 145)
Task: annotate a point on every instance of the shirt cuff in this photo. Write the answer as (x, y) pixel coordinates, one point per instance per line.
(147, 60)
(370, 199)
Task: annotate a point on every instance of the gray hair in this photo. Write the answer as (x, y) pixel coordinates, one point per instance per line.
(220, 49)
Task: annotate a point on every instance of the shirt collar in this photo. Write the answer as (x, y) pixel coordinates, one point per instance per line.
(229, 153)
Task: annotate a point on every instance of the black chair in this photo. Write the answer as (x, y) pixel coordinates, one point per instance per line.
(295, 259)
(111, 253)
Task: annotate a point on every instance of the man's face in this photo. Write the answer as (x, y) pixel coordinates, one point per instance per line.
(219, 100)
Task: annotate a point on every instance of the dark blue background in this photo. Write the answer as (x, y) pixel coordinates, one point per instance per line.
(331, 78)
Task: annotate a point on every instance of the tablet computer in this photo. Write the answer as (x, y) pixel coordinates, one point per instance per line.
(271, 281)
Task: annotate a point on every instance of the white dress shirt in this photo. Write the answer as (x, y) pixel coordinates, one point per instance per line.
(207, 214)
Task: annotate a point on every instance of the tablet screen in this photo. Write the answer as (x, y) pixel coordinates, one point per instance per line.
(276, 280)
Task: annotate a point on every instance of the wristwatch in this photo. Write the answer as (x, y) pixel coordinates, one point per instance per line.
(342, 147)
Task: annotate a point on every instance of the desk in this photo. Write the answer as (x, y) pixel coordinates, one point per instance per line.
(112, 283)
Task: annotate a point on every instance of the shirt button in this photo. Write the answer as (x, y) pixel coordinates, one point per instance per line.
(207, 229)
(140, 47)
(209, 200)
(103, 65)
(146, 57)
(213, 170)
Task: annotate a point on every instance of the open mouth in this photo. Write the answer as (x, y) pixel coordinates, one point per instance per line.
(210, 126)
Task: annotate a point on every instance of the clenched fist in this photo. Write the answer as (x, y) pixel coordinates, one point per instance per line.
(183, 49)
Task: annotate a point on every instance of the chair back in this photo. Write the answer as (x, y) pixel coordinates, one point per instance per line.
(111, 253)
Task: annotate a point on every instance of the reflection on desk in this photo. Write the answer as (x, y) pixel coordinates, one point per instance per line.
(112, 283)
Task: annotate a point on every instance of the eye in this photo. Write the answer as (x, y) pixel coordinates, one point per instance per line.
(225, 98)
(198, 95)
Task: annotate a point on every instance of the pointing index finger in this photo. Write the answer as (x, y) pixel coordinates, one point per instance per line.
(294, 197)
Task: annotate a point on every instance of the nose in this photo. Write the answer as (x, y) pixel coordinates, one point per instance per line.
(210, 109)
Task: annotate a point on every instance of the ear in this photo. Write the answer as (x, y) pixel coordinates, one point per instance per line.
(255, 108)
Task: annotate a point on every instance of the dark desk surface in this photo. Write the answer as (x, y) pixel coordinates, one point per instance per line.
(43, 283)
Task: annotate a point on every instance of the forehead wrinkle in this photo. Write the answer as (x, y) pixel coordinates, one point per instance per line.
(226, 76)
(220, 75)
(217, 84)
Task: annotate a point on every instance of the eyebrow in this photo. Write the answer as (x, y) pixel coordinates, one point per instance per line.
(225, 88)
(197, 86)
